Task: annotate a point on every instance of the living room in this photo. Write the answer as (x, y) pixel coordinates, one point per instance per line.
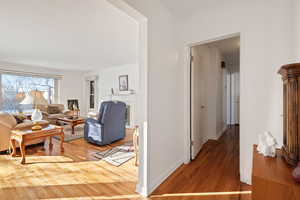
(62, 111)
(79, 52)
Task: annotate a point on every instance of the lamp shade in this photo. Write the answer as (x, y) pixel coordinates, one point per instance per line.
(20, 96)
(35, 97)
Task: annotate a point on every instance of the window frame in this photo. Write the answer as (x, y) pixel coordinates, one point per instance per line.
(55, 78)
(89, 80)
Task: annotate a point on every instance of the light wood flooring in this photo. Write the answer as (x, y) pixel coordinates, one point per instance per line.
(76, 174)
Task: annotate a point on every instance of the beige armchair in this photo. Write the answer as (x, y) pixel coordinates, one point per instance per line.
(8, 123)
(52, 112)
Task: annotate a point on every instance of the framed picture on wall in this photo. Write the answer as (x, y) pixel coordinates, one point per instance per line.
(123, 83)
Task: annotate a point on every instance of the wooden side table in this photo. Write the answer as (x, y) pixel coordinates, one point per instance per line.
(25, 135)
(272, 178)
(72, 122)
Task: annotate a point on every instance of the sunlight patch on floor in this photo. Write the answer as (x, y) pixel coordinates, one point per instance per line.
(202, 194)
(136, 196)
(133, 196)
(57, 170)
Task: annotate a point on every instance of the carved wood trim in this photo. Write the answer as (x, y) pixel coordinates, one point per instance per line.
(291, 108)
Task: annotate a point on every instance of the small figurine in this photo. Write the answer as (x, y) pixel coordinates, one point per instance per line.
(267, 144)
(296, 173)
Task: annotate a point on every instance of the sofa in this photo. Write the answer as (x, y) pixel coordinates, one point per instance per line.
(109, 126)
(7, 123)
(52, 112)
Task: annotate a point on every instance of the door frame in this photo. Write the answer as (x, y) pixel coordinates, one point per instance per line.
(187, 90)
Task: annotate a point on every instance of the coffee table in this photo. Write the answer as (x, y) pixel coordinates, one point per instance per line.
(23, 136)
(73, 122)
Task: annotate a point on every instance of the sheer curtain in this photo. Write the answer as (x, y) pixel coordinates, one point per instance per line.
(15, 87)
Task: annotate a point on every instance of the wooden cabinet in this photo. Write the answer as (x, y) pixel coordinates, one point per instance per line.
(291, 110)
(272, 179)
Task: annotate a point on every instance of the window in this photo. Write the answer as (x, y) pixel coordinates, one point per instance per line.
(92, 95)
(92, 92)
(15, 87)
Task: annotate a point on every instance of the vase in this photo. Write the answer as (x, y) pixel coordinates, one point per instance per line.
(36, 115)
(296, 173)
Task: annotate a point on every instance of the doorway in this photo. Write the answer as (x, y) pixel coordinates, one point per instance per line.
(214, 91)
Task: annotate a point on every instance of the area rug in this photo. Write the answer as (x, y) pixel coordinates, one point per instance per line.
(118, 155)
(78, 133)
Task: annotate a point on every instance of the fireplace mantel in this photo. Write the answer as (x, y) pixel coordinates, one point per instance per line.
(130, 100)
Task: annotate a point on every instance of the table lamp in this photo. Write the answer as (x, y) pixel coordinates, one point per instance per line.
(19, 98)
(35, 98)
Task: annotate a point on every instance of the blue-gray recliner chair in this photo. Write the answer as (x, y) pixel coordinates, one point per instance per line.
(110, 125)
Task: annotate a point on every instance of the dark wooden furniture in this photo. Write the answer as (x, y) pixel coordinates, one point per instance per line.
(73, 122)
(272, 178)
(25, 135)
(291, 107)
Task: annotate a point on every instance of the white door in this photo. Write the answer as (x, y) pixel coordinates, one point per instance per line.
(237, 98)
(197, 102)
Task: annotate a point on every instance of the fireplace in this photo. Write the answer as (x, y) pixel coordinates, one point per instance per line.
(130, 101)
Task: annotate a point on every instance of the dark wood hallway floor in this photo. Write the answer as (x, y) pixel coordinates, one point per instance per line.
(213, 175)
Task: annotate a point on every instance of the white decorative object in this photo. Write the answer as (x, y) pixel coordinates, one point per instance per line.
(267, 144)
(35, 98)
(36, 115)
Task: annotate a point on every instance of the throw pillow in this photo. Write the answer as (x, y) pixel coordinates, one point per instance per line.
(53, 110)
(19, 118)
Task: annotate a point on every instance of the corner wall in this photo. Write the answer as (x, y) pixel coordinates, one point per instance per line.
(165, 126)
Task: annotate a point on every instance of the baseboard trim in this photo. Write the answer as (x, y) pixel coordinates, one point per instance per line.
(157, 182)
(246, 180)
(141, 190)
(221, 132)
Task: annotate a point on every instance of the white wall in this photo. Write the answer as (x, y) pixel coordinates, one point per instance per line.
(165, 127)
(233, 98)
(265, 29)
(218, 77)
(109, 78)
(265, 32)
(233, 92)
(70, 87)
(296, 30)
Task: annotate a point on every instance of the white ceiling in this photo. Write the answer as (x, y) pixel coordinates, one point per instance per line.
(81, 35)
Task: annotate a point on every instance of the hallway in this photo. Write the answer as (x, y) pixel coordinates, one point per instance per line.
(213, 175)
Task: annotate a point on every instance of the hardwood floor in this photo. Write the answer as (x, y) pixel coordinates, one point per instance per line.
(76, 174)
(213, 175)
